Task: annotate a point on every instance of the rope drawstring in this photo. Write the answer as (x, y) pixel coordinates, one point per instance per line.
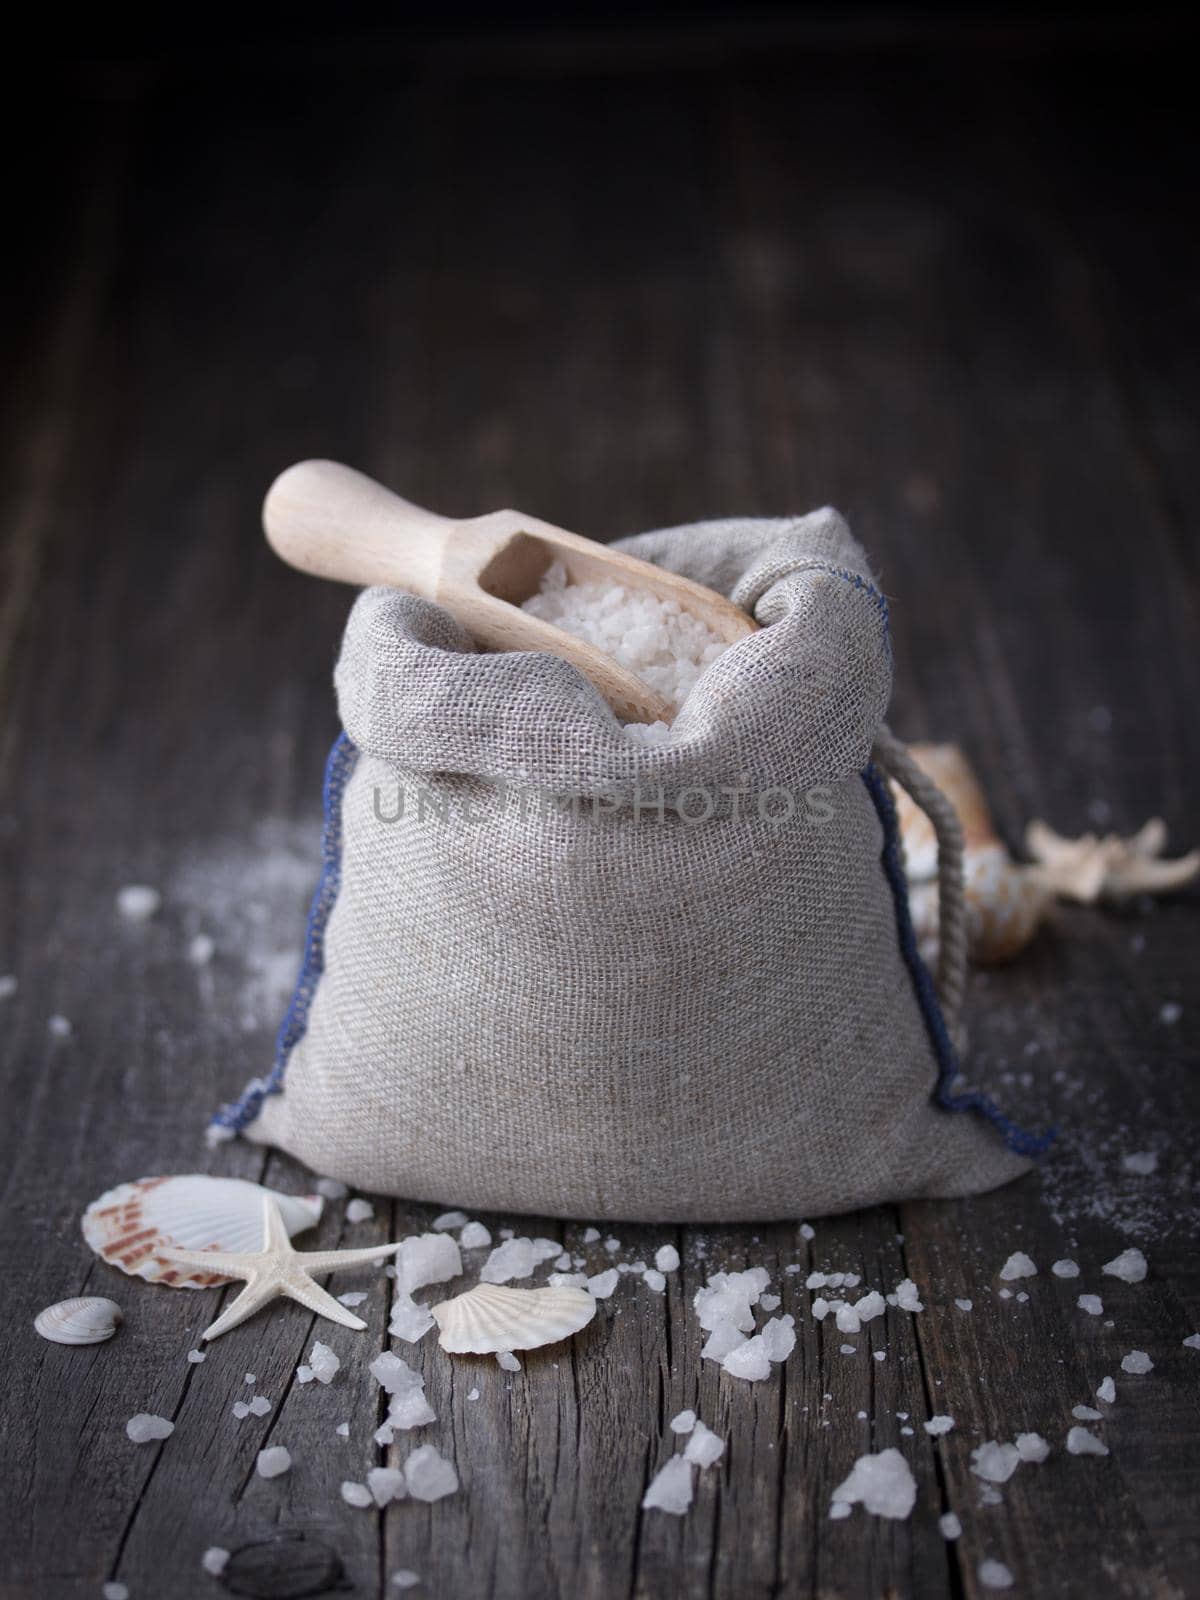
(893, 757)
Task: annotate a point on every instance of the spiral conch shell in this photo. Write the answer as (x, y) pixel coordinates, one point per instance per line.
(88, 1319)
(492, 1318)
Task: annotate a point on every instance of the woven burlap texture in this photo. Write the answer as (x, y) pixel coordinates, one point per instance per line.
(594, 1010)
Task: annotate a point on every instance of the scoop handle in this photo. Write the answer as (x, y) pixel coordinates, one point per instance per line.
(333, 522)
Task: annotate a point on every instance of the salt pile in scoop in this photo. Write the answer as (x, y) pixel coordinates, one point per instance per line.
(666, 647)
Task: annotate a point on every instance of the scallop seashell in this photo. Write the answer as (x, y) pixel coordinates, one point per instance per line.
(492, 1317)
(87, 1320)
(129, 1225)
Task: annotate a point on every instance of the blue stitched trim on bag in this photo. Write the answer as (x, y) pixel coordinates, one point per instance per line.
(337, 774)
(1016, 1138)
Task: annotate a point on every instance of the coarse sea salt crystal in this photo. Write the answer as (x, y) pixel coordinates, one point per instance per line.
(591, 1235)
(1091, 1303)
(425, 1258)
(567, 1280)
(394, 1374)
(965, 1305)
(820, 1308)
(8, 986)
(1018, 1265)
(1129, 1266)
(259, 1406)
(409, 1321)
(386, 1484)
(1032, 1447)
(1192, 1342)
(601, 1284)
(405, 1578)
(995, 1575)
(115, 1590)
(949, 1526)
(359, 1211)
(653, 1279)
(994, 1461)
(1170, 1013)
(1143, 1162)
(879, 1355)
(1065, 1268)
(839, 1510)
(196, 1357)
(748, 1361)
(241, 1408)
(907, 1297)
(815, 1280)
(323, 1362)
(146, 1426)
(201, 950)
(612, 1246)
(769, 1302)
(807, 1231)
(870, 1305)
(472, 1394)
(428, 1475)
(937, 1425)
(354, 1298)
(666, 1258)
(449, 1219)
(1082, 1443)
(1086, 1413)
(1136, 1362)
(474, 1236)
(332, 1188)
(342, 1430)
(304, 1374)
(137, 902)
(1107, 1391)
(273, 1461)
(723, 1338)
(508, 1361)
(512, 1259)
(670, 1489)
(59, 1026)
(882, 1483)
(778, 1338)
(704, 1447)
(1006, 1294)
(214, 1560)
(563, 1262)
(356, 1494)
(847, 1319)
(849, 1350)
(684, 1422)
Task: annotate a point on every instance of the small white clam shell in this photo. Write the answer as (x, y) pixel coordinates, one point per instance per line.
(492, 1317)
(131, 1224)
(86, 1320)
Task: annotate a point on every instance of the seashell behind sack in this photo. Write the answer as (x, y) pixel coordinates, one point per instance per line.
(592, 1009)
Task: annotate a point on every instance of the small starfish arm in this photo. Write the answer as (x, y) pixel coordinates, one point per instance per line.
(257, 1294)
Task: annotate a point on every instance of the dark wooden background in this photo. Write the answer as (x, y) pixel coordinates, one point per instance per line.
(940, 274)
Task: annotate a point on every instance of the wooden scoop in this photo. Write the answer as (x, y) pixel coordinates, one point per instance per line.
(334, 522)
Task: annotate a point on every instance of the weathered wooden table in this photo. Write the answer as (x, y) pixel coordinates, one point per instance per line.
(944, 281)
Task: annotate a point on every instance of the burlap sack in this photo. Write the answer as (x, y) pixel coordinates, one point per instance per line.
(584, 976)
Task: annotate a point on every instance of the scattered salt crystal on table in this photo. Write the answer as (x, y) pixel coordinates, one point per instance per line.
(386, 1484)
(250, 1378)
(840, 1510)
(115, 1591)
(670, 1489)
(1136, 1362)
(472, 1394)
(323, 1362)
(601, 1285)
(8, 986)
(704, 1447)
(241, 1409)
(989, 1495)
(1129, 1266)
(723, 1338)
(612, 1246)
(965, 1305)
(666, 1258)
(567, 1280)
(201, 950)
(342, 1430)
(591, 1235)
(1006, 1294)
(428, 1475)
(820, 1308)
(359, 1211)
(1032, 1447)
(543, 1249)
(409, 1321)
(60, 1027)
(448, 1220)
(848, 1349)
(1065, 1268)
(1170, 1013)
(870, 1305)
(769, 1302)
(563, 1262)
(354, 1298)
(847, 1319)
(405, 1578)
(792, 1269)
(995, 1575)
(883, 1483)
(949, 1526)
(356, 1494)
(259, 1406)
(273, 1461)
(394, 1374)
(196, 1357)
(146, 1426)
(815, 1280)
(474, 1236)
(1018, 1265)
(512, 1259)
(653, 1279)
(1086, 1413)
(508, 1361)
(1192, 1342)
(749, 1361)
(684, 1422)
(304, 1374)
(214, 1560)
(1091, 1303)
(807, 1231)
(907, 1297)
(1143, 1162)
(879, 1355)
(137, 902)
(1082, 1443)
(995, 1462)
(937, 1425)
(1107, 1391)
(332, 1188)
(778, 1338)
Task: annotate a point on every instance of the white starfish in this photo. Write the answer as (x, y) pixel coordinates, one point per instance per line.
(276, 1270)
(1092, 868)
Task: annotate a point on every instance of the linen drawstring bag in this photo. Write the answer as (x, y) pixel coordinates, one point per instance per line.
(554, 969)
